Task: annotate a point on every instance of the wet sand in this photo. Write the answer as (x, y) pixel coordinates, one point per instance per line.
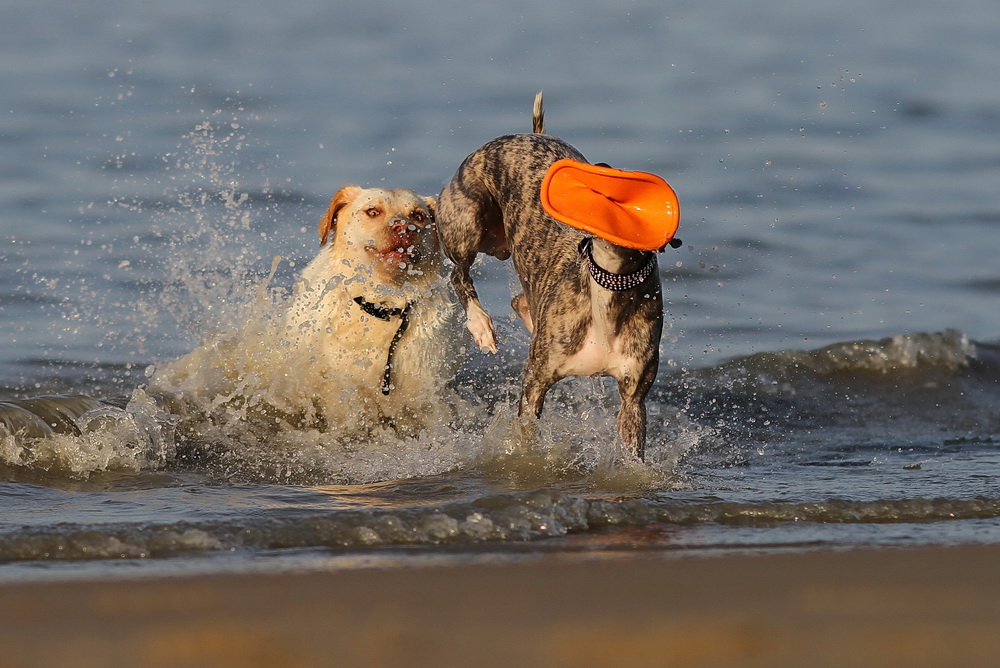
(913, 607)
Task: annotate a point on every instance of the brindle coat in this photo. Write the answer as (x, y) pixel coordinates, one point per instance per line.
(493, 206)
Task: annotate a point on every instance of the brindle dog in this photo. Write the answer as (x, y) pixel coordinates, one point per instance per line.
(592, 307)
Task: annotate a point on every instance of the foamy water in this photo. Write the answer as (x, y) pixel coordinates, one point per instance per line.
(829, 367)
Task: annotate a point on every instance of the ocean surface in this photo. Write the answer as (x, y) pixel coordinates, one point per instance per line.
(830, 367)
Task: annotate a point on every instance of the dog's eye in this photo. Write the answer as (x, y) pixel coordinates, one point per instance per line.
(373, 212)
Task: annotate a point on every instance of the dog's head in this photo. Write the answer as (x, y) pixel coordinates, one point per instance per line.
(392, 232)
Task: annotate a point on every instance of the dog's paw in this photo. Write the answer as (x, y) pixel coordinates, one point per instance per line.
(486, 341)
(481, 328)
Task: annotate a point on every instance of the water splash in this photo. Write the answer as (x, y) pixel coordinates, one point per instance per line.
(215, 236)
(79, 436)
(211, 269)
(574, 443)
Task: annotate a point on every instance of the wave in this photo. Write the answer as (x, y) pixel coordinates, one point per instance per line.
(499, 519)
(75, 436)
(896, 384)
(950, 351)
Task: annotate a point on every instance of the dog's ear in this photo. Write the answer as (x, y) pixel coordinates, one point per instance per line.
(328, 222)
(431, 204)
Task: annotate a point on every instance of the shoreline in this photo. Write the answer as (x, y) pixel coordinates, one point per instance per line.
(926, 606)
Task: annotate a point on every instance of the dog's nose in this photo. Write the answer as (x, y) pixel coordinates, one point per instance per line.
(402, 225)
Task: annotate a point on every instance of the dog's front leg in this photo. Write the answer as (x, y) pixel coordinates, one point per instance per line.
(632, 414)
(632, 427)
(478, 321)
(538, 378)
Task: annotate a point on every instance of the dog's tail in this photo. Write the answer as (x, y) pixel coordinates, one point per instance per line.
(538, 115)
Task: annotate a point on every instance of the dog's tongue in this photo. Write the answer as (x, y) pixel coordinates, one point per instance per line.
(632, 209)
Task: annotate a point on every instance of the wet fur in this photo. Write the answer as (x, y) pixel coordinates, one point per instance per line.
(492, 205)
(321, 364)
(362, 225)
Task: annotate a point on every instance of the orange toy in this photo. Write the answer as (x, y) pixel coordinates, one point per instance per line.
(631, 209)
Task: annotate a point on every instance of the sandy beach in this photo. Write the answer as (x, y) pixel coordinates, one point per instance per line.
(892, 607)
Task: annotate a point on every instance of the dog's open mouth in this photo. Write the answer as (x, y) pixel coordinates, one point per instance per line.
(401, 257)
(398, 253)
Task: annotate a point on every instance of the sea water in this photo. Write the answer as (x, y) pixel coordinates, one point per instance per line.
(829, 367)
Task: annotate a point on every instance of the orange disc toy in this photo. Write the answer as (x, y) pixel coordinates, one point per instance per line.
(631, 209)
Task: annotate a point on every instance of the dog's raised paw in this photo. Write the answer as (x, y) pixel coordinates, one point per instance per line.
(486, 341)
(480, 325)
